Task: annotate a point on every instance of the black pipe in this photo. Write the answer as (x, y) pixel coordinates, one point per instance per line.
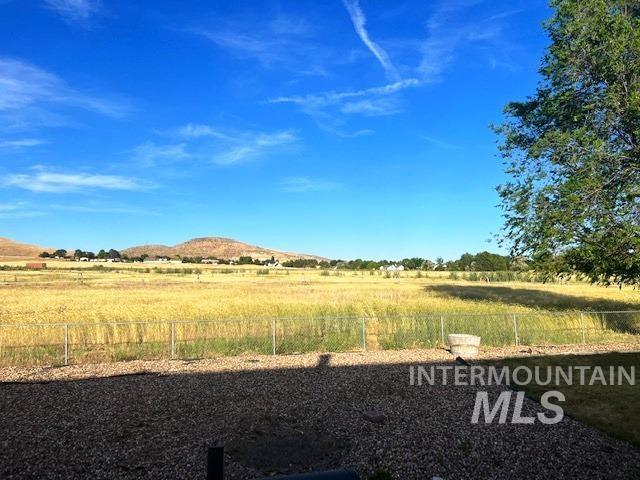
(215, 462)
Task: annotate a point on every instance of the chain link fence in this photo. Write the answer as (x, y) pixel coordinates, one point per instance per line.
(66, 343)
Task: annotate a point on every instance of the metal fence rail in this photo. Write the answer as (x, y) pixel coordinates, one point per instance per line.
(65, 343)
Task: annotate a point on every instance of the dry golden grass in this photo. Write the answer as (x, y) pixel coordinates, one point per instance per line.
(133, 294)
(73, 293)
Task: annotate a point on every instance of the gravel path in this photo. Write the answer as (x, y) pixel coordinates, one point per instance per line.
(281, 414)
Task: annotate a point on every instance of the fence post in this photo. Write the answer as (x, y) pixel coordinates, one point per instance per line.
(582, 327)
(515, 329)
(442, 330)
(273, 335)
(173, 340)
(66, 344)
(364, 334)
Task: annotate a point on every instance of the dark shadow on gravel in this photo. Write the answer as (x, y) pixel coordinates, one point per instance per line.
(277, 444)
(282, 421)
(529, 297)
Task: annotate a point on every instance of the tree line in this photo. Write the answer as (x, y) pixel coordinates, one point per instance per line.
(479, 262)
(78, 254)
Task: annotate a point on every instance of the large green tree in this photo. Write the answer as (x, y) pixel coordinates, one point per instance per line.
(572, 151)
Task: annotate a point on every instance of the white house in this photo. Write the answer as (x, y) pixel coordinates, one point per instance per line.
(392, 268)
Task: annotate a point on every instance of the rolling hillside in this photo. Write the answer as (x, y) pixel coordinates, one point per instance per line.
(218, 247)
(11, 248)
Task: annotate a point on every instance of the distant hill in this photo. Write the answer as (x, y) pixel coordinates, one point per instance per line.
(11, 248)
(223, 248)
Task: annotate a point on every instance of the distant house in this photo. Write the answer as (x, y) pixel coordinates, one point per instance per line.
(274, 264)
(36, 265)
(392, 268)
(210, 261)
(83, 259)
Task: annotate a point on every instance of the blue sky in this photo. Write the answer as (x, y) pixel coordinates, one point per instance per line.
(346, 129)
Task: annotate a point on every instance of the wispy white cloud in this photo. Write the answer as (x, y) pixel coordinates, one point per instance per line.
(266, 50)
(320, 100)
(149, 154)
(197, 131)
(11, 207)
(336, 126)
(252, 146)
(351, 134)
(285, 24)
(18, 210)
(306, 184)
(21, 143)
(22, 84)
(28, 94)
(23, 209)
(284, 42)
(439, 143)
(101, 209)
(327, 107)
(453, 25)
(70, 182)
(74, 10)
(359, 21)
(208, 144)
(373, 107)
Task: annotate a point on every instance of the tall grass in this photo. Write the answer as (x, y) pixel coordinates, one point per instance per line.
(45, 343)
(216, 313)
(506, 276)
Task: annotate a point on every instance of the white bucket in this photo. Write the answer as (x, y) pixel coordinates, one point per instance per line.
(463, 345)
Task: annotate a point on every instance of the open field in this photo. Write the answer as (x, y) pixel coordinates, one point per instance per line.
(282, 414)
(198, 311)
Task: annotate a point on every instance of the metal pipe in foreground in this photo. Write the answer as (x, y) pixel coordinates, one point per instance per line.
(215, 462)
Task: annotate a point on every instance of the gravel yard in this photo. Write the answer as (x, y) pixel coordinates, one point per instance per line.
(282, 414)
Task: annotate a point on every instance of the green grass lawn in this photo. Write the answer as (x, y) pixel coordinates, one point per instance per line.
(613, 409)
